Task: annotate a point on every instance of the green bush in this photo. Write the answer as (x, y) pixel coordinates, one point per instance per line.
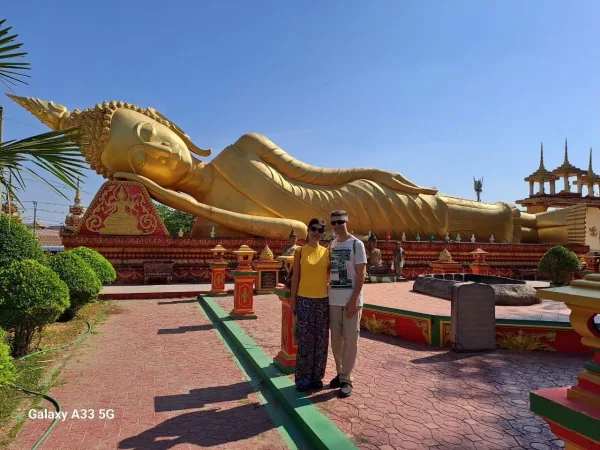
(559, 264)
(31, 296)
(83, 283)
(17, 242)
(103, 268)
(7, 369)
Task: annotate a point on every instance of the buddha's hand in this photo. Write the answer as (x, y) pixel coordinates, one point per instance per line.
(397, 182)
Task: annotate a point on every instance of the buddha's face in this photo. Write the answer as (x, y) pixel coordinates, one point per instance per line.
(140, 145)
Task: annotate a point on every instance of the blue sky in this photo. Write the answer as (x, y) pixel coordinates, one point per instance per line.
(438, 91)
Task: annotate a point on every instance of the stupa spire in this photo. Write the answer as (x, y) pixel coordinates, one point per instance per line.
(566, 152)
(542, 157)
(78, 194)
(590, 166)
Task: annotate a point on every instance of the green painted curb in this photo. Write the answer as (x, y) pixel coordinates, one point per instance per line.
(570, 419)
(318, 429)
(286, 370)
(287, 428)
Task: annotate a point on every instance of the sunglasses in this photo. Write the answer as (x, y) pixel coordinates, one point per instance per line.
(319, 230)
(338, 222)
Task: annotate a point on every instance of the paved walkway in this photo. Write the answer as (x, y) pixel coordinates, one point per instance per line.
(169, 379)
(400, 296)
(156, 290)
(410, 396)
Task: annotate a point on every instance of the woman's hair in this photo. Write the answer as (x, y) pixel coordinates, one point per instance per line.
(316, 221)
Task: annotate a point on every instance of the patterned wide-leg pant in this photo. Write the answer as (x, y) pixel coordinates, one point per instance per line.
(313, 339)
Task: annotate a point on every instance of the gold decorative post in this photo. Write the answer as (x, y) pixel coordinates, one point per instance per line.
(244, 279)
(479, 265)
(573, 413)
(218, 266)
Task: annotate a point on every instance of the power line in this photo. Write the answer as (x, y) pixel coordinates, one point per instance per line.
(55, 184)
(45, 203)
(23, 123)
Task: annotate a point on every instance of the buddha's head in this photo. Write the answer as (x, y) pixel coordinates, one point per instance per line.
(141, 145)
(120, 137)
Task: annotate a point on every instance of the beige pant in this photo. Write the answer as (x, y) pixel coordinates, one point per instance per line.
(344, 340)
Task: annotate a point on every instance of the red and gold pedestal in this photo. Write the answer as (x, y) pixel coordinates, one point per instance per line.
(286, 358)
(479, 265)
(573, 413)
(217, 272)
(243, 295)
(217, 278)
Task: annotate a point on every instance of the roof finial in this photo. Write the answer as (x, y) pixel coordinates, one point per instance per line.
(542, 157)
(78, 194)
(590, 171)
(566, 152)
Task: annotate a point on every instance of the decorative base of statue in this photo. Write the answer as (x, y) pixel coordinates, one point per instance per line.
(268, 275)
(243, 297)
(286, 358)
(573, 413)
(217, 278)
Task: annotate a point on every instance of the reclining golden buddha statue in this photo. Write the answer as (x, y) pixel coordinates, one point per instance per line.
(254, 188)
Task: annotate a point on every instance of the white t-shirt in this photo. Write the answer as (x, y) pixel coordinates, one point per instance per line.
(343, 270)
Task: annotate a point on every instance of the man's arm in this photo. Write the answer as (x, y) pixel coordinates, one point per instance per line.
(360, 267)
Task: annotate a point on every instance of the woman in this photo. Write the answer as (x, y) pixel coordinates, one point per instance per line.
(310, 304)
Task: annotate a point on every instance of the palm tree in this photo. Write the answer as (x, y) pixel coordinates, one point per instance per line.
(54, 152)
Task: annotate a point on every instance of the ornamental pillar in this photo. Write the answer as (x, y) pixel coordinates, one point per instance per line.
(573, 412)
(244, 278)
(286, 358)
(218, 267)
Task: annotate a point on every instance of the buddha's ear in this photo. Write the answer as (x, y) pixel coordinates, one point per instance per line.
(184, 137)
(193, 148)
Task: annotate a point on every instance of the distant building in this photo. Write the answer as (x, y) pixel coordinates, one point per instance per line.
(545, 198)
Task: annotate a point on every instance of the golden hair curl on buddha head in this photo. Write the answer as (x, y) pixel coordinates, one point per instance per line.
(155, 147)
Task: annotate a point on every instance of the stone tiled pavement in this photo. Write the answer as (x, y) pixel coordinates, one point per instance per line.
(400, 296)
(410, 396)
(169, 379)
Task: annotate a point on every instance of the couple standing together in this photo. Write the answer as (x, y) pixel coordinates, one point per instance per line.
(326, 292)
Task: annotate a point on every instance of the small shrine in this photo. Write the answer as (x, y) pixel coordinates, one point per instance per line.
(445, 264)
(12, 210)
(540, 201)
(479, 265)
(76, 212)
(268, 271)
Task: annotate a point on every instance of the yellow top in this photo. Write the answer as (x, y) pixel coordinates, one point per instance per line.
(314, 264)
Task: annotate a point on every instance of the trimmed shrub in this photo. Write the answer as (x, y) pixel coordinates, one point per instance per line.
(83, 283)
(559, 264)
(99, 264)
(31, 296)
(7, 369)
(17, 243)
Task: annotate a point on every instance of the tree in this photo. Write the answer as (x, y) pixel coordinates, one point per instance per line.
(17, 242)
(559, 264)
(99, 264)
(81, 280)
(55, 152)
(31, 296)
(175, 220)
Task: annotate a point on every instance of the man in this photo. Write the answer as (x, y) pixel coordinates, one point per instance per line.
(348, 270)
